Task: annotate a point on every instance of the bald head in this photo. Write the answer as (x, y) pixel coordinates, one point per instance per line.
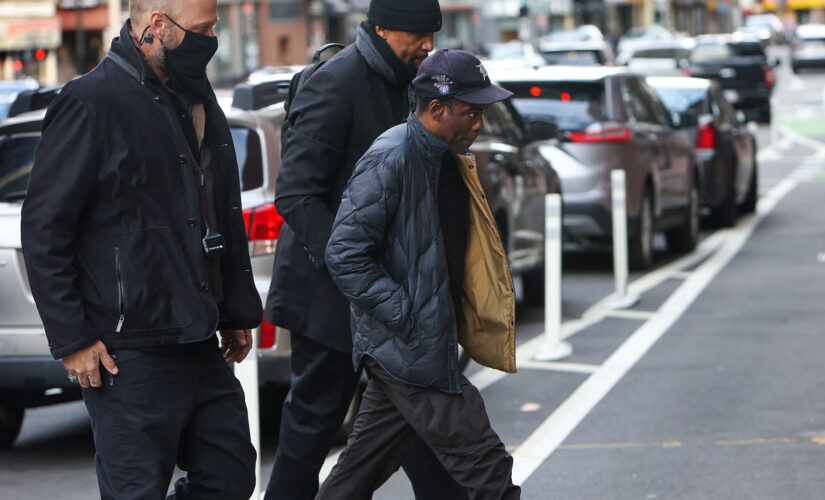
(139, 10)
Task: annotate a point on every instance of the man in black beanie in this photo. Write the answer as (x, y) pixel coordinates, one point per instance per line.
(335, 116)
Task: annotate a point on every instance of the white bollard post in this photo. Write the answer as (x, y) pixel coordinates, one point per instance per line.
(553, 347)
(621, 299)
(247, 374)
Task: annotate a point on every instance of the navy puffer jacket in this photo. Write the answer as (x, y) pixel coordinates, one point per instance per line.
(386, 254)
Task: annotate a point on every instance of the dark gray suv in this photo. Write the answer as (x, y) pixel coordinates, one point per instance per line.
(611, 119)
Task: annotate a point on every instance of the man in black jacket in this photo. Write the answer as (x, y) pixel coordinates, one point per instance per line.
(415, 250)
(342, 108)
(136, 253)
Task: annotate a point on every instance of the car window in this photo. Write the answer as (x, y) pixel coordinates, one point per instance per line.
(492, 124)
(713, 51)
(661, 54)
(634, 103)
(16, 160)
(510, 125)
(250, 157)
(572, 106)
(574, 57)
(681, 100)
(657, 109)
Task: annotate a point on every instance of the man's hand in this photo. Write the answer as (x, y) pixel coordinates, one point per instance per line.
(85, 364)
(235, 345)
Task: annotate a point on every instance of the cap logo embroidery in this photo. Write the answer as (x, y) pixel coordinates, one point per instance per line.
(443, 84)
(482, 70)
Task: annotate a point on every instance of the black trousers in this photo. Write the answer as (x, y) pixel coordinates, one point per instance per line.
(323, 383)
(455, 426)
(177, 405)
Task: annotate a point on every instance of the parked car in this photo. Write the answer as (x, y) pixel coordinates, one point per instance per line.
(580, 53)
(658, 57)
(643, 35)
(768, 23)
(583, 33)
(511, 55)
(739, 64)
(10, 89)
(611, 119)
(729, 175)
(808, 47)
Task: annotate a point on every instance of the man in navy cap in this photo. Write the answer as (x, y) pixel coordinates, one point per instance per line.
(415, 250)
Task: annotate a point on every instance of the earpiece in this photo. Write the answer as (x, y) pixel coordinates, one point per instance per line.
(146, 38)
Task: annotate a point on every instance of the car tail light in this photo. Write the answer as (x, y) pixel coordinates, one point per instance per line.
(769, 76)
(602, 132)
(686, 72)
(267, 335)
(263, 225)
(706, 136)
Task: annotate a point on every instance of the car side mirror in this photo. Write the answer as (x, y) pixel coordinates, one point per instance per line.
(541, 130)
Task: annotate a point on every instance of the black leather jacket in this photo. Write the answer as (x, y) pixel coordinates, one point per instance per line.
(111, 225)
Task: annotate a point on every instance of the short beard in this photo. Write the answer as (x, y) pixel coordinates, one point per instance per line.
(159, 55)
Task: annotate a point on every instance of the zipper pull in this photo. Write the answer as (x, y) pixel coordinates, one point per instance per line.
(120, 323)
(203, 182)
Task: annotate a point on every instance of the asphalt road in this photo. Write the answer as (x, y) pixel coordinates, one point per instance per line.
(709, 388)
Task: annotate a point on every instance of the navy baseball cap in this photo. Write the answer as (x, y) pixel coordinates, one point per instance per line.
(456, 74)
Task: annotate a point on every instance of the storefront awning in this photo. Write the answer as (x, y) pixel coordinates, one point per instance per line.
(31, 33)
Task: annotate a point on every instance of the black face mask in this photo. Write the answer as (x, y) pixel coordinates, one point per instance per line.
(186, 63)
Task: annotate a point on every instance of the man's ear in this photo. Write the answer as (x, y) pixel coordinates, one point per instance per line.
(157, 23)
(382, 31)
(436, 109)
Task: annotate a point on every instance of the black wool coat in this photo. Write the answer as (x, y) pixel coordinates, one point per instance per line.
(111, 225)
(337, 115)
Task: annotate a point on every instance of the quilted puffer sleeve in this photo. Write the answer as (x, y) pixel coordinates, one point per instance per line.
(369, 204)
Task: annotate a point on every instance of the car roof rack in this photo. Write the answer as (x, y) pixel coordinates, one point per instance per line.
(252, 96)
(30, 100)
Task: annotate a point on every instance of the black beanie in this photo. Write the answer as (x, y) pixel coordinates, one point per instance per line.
(416, 16)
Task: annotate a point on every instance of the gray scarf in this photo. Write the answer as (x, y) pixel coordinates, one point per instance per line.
(366, 47)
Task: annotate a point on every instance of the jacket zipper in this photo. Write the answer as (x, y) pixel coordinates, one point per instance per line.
(120, 294)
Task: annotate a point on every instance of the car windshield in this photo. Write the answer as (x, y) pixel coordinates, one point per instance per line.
(16, 160)
(760, 21)
(573, 57)
(571, 105)
(567, 36)
(681, 100)
(250, 157)
(716, 51)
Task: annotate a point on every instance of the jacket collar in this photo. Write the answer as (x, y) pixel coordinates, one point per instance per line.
(430, 146)
(380, 56)
(126, 49)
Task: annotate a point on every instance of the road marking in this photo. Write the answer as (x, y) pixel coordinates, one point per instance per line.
(630, 314)
(555, 429)
(556, 366)
(680, 275)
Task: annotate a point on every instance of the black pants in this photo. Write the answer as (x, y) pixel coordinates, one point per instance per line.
(455, 426)
(177, 405)
(323, 383)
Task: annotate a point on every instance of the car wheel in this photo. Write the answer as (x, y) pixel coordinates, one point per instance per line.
(726, 213)
(683, 238)
(795, 69)
(533, 282)
(11, 418)
(749, 205)
(641, 244)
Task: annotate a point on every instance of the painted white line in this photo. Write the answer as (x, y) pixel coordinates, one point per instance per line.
(630, 314)
(555, 429)
(680, 275)
(556, 366)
